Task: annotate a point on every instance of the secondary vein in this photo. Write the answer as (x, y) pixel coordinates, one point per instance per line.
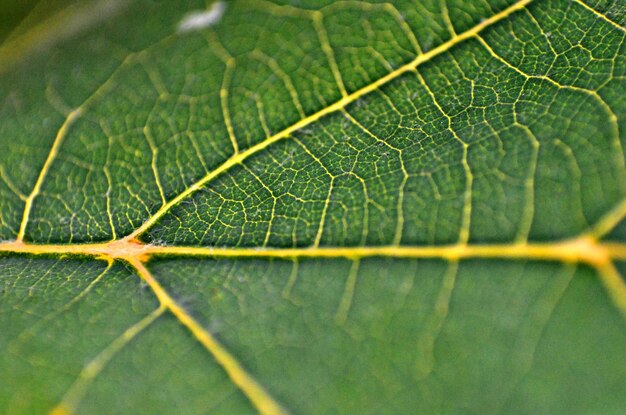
(257, 395)
(69, 120)
(238, 158)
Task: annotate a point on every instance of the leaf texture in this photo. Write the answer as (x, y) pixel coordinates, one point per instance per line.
(313, 207)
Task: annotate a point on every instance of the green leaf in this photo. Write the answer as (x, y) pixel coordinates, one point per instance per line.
(322, 207)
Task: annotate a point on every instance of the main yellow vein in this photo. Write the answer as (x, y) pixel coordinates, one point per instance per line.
(257, 395)
(584, 249)
(600, 15)
(238, 158)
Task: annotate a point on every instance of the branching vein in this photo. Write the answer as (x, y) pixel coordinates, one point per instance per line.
(585, 249)
(259, 397)
(239, 157)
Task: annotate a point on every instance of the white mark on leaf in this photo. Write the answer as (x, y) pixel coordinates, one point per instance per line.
(201, 19)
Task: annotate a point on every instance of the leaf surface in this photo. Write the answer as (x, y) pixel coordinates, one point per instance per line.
(321, 207)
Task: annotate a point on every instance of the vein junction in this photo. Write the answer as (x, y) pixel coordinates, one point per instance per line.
(587, 249)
